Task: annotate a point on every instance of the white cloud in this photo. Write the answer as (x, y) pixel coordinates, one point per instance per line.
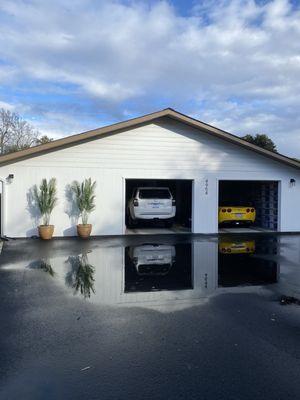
(53, 124)
(232, 63)
(7, 106)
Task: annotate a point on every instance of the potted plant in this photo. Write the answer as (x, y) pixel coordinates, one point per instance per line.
(45, 197)
(85, 200)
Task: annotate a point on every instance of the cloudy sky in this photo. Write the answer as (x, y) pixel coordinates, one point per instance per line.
(69, 66)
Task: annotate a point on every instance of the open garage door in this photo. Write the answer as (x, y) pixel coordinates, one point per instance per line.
(181, 193)
(244, 198)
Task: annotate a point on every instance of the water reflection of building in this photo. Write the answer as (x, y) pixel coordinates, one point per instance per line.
(181, 275)
(189, 276)
(243, 263)
(289, 261)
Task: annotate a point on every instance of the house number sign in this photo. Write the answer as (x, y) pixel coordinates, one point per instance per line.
(206, 187)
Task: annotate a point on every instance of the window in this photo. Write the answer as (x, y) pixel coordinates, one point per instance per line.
(154, 194)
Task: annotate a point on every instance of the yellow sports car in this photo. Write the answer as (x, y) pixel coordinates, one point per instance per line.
(247, 247)
(237, 214)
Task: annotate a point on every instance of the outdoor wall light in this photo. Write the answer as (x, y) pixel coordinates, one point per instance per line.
(10, 178)
(292, 182)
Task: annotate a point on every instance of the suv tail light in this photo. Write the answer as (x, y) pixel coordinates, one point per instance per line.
(135, 202)
(173, 202)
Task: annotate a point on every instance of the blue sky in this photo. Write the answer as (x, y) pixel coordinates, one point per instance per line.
(72, 66)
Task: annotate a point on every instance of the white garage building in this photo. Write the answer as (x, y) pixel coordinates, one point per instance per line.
(203, 165)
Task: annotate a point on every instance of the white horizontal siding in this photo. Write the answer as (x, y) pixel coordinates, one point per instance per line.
(164, 145)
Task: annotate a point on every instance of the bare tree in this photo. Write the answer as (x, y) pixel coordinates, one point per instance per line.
(16, 133)
(6, 128)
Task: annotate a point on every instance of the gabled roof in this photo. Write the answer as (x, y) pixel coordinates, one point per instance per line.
(132, 123)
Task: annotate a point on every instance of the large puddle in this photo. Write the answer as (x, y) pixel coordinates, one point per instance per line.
(166, 272)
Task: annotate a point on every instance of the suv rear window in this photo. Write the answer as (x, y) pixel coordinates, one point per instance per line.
(154, 194)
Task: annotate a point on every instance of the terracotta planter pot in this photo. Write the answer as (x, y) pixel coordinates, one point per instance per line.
(84, 231)
(46, 231)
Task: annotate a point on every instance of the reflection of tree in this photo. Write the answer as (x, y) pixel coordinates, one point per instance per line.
(81, 276)
(44, 265)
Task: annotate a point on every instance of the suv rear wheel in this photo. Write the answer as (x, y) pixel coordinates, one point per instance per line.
(169, 223)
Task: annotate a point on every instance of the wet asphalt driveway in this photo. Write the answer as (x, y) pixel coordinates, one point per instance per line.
(181, 317)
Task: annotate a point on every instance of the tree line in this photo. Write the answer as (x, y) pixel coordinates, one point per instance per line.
(261, 140)
(18, 134)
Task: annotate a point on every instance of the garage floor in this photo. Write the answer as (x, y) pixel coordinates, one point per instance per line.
(244, 230)
(157, 230)
(182, 229)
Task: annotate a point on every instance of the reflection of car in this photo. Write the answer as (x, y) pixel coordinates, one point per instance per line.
(152, 259)
(237, 214)
(246, 247)
(151, 203)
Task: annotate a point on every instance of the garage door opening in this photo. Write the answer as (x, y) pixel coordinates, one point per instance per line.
(248, 204)
(156, 216)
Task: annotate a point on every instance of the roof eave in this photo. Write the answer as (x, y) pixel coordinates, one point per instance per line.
(168, 112)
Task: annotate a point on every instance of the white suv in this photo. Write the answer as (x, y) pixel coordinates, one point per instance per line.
(151, 203)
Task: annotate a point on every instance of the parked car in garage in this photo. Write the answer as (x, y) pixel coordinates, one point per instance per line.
(151, 204)
(237, 214)
(152, 259)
